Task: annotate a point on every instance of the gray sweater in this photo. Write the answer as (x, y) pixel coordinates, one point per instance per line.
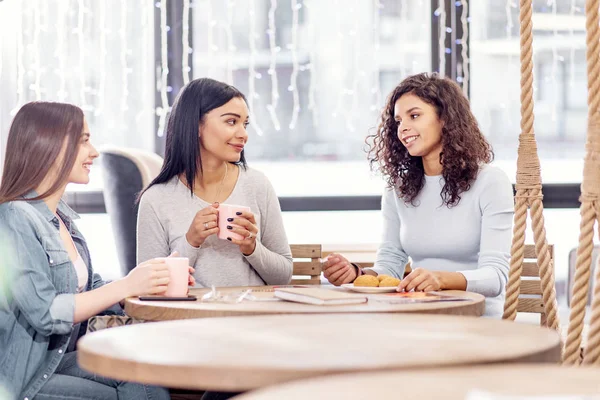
(167, 210)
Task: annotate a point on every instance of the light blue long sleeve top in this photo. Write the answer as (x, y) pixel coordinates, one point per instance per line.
(473, 237)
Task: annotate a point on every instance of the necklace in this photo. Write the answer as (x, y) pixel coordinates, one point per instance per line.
(221, 184)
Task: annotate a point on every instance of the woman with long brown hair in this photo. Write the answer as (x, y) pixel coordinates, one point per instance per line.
(49, 289)
(445, 206)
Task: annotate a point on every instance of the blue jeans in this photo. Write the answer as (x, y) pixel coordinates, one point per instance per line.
(70, 382)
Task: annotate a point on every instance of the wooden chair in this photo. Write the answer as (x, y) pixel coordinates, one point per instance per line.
(307, 264)
(363, 254)
(530, 297)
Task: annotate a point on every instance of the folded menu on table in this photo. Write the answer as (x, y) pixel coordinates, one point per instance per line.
(319, 296)
(415, 297)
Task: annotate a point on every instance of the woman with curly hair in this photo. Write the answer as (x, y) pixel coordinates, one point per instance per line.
(445, 206)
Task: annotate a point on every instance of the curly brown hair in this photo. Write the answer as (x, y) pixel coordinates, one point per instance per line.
(464, 148)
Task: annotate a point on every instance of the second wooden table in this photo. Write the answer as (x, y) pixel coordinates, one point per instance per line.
(242, 353)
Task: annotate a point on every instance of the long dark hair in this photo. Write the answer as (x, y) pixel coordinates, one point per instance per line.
(182, 152)
(35, 141)
(464, 148)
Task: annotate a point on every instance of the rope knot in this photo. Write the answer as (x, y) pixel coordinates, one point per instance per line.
(528, 163)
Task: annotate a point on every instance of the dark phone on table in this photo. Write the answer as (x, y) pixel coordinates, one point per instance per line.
(164, 298)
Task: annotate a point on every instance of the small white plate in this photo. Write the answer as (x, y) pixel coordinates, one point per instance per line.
(367, 289)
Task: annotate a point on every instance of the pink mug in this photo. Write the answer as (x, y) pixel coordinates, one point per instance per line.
(179, 272)
(228, 211)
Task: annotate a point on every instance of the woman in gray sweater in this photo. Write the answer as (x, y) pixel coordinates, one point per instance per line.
(205, 166)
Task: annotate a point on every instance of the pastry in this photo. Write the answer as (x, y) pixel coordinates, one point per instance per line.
(366, 280)
(389, 282)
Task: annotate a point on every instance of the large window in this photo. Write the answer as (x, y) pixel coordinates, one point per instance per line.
(316, 75)
(560, 82)
(98, 55)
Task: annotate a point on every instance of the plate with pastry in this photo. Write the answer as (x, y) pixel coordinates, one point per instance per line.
(373, 284)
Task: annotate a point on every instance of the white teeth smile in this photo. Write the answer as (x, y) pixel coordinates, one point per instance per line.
(410, 139)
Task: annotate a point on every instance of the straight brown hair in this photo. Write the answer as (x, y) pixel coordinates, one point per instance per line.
(35, 140)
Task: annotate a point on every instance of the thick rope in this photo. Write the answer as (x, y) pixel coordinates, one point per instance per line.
(526, 34)
(513, 288)
(545, 264)
(580, 284)
(590, 187)
(592, 353)
(592, 348)
(529, 189)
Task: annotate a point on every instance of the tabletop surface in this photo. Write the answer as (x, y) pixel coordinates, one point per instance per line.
(456, 383)
(174, 310)
(241, 353)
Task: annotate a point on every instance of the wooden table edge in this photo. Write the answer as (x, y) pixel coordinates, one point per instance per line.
(203, 377)
(150, 311)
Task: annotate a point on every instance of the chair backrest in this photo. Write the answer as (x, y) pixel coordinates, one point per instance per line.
(571, 276)
(530, 297)
(307, 266)
(362, 254)
(126, 173)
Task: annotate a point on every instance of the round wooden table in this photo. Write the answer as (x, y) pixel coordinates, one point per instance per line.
(174, 310)
(463, 383)
(242, 353)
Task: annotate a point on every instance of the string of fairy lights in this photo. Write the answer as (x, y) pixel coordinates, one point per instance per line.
(185, 42)
(272, 71)
(61, 32)
(465, 77)
(441, 14)
(20, 62)
(81, 51)
(163, 110)
(312, 56)
(229, 33)
(252, 73)
(35, 46)
(102, 62)
(293, 47)
(376, 89)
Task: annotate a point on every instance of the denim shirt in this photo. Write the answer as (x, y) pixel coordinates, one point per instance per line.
(38, 283)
